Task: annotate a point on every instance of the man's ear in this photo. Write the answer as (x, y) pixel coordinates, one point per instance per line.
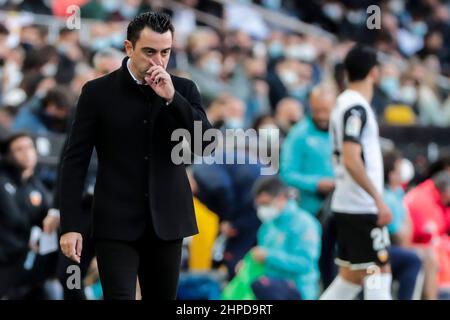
(128, 47)
(375, 73)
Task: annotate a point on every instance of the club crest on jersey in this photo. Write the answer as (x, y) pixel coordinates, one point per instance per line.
(10, 188)
(35, 198)
(354, 123)
(383, 255)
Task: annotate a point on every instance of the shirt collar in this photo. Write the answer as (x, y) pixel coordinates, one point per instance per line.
(131, 73)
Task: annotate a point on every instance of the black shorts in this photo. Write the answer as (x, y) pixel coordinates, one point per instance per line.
(361, 242)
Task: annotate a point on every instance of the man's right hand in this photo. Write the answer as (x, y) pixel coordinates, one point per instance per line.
(384, 214)
(325, 186)
(71, 245)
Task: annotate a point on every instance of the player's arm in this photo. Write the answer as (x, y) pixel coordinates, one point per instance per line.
(351, 156)
(354, 123)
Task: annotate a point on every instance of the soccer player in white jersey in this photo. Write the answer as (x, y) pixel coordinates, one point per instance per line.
(361, 215)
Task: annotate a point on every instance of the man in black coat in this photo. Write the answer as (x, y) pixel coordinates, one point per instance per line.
(24, 203)
(143, 205)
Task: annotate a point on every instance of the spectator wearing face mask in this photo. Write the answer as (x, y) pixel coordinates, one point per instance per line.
(49, 115)
(227, 112)
(405, 261)
(290, 77)
(268, 132)
(387, 89)
(209, 73)
(258, 102)
(106, 61)
(288, 241)
(288, 112)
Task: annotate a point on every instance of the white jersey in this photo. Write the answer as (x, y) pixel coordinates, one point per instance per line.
(354, 120)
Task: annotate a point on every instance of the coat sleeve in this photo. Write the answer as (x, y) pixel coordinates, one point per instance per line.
(188, 110)
(11, 215)
(75, 162)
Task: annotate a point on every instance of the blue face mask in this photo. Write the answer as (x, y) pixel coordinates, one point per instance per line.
(419, 28)
(234, 123)
(390, 85)
(272, 4)
(276, 49)
(300, 92)
(100, 43)
(128, 11)
(116, 39)
(213, 67)
(110, 5)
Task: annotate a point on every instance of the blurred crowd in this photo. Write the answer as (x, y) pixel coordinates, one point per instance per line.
(251, 73)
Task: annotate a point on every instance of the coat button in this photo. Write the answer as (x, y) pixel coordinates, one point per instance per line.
(145, 121)
(146, 158)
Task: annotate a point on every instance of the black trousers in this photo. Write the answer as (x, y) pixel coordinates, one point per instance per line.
(64, 263)
(155, 262)
(10, 274)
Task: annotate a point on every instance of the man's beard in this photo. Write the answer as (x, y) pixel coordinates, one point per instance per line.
(321, 125)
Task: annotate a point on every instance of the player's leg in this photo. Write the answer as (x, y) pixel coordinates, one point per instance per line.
(348, 283)
(377, 286)
(346, 286)
(377, 283)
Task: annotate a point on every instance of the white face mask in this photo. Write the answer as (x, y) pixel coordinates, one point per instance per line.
(267, 213)
(234, 123)
(406, 171)
(49, 70)
(408, 95)
(212, 66)
(289, 78)
(333, 11)
(303, 52)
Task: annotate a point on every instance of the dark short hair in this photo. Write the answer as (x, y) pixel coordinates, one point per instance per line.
(359, 61)
(389, 160)
(6, 143)
(271, 185)
(59, 96)
(156, 20)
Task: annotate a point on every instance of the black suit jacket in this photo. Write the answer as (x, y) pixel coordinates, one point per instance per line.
(137, 182)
